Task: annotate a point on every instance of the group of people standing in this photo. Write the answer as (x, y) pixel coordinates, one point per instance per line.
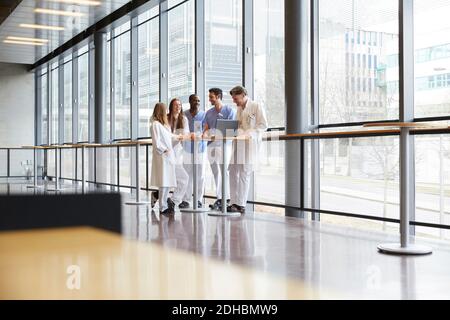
(173, 134)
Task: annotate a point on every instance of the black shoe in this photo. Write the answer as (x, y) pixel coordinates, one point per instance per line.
(170, 204)
(199, 204)
(236, 208)
(217, 205)
(183, 205)
(167, 211)
(154, 197)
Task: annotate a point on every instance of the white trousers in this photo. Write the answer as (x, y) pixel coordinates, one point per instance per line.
(240, 176)
(215, 157)
(182, 183)
(189, 167)
(163, 195)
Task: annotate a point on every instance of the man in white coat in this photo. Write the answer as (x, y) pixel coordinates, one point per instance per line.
(252, 123)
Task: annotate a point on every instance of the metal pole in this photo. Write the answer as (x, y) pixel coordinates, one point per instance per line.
(83, 175)
(34, 186)
(138, 185)
(194, 171)
(224, 182)
(224, 212)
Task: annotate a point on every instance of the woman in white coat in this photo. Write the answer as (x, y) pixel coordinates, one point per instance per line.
(179, 125)
(163, 162)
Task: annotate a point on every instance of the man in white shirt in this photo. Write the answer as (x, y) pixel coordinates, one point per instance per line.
(252, 123)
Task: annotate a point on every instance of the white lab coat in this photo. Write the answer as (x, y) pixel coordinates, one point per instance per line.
(252, 122)
(163, 164)
(182, 176)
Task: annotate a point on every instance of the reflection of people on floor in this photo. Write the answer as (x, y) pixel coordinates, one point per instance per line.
(234, 239)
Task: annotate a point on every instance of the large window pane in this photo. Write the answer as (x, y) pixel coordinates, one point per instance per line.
(432, 58)
(122, 86)
(44, 108)
(182, 51)
(54, 105)
(269, 59)
(68, 102)
(223, 36)
(357, 70)
(83, 97)
(148, 36)
(432, 177)
(361, 176)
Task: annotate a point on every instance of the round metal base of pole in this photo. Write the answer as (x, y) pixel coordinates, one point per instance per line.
(198, 210)
(411, 249)
(227, 214)
(135, 203)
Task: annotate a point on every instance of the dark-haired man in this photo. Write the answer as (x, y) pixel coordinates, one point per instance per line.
(214, 150)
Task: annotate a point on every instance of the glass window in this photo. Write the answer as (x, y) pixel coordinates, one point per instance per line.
(54, 106)
(337, 18)
(360, 175)
(182, 51)
(83, 97)
(122, 85)
(68, 102)
(269, 59)
(431, 38)
(432, 177)
(148, 76)
(223, 38)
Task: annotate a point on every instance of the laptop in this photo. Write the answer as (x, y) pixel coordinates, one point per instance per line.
(227, 127)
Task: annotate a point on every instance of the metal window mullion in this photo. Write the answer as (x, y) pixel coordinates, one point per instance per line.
(60, 139)
(247, 72)
(164, 51)
(48, 105)
(91, 96)
(406, 91)
(38, 109)
(134, 79)
(315, 120)
(91, 108)
(75, 98)
(200, 89)
(134, 97)
(112, 80)
(247, 50)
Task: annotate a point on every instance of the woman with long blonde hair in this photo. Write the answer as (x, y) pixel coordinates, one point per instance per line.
(163, 163)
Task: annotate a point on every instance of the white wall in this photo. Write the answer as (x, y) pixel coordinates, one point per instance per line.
(16, 105)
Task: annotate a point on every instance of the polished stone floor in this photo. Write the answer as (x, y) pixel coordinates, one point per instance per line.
(327, 257)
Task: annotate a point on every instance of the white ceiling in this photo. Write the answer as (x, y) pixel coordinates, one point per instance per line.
(24, 13)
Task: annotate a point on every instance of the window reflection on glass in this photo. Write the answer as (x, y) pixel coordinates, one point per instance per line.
(122, 86)
(223, 52)
(358, 39)
(83, 97)
(182, 51)
(269, 59)
(148, 76)
(432, 58)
